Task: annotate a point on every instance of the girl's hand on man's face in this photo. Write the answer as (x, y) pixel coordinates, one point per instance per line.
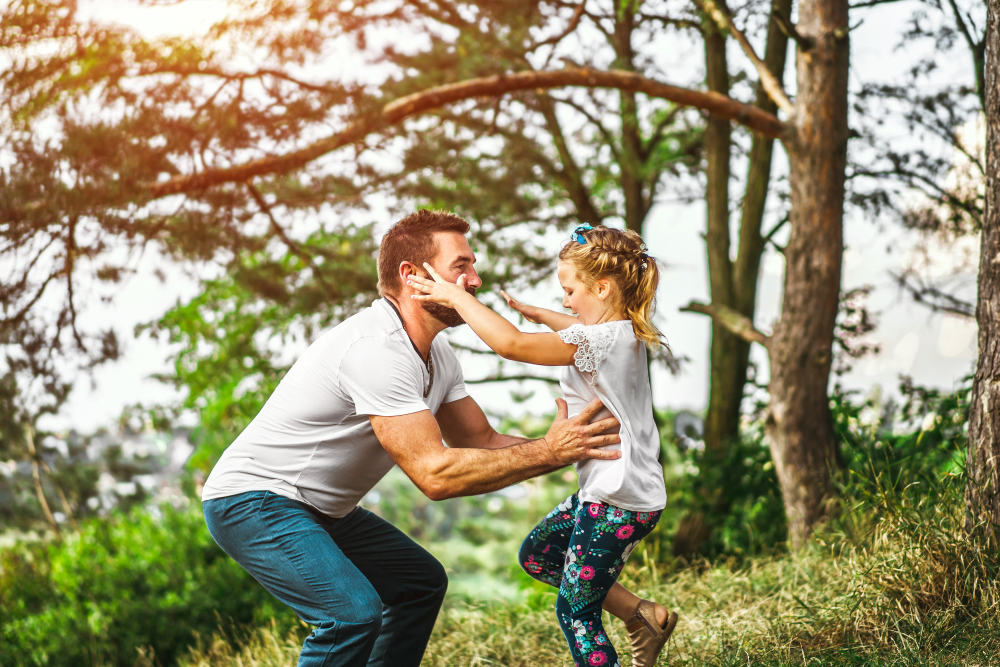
(437, 289)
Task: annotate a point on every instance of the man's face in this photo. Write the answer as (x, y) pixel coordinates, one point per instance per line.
(454, 258)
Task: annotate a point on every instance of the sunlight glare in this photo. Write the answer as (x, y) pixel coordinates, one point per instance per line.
(183, 19)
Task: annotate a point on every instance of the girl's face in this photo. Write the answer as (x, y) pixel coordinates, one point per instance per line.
(590, 305)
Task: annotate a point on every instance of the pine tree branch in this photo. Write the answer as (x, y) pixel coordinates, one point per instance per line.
(737, 323)
(574, 23)
(791, 32)
(768, 80)
(412, 105)
(933, 297)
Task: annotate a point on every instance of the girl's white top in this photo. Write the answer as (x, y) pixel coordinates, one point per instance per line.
(610, 364)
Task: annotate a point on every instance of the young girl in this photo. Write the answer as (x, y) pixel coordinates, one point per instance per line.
(581, 546)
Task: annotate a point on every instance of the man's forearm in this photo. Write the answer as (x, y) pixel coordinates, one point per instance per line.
(502, 440)
(469, 472)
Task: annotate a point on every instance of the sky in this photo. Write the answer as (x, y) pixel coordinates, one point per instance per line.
(936, 350)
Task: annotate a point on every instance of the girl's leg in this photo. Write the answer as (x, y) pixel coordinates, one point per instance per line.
(602, 541)
(621, 603)
(543, 552)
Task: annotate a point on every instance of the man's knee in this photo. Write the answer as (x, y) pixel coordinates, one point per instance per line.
(360, 607)
(437, 579)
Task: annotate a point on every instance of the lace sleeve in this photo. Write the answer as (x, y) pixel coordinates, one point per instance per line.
(592, 345)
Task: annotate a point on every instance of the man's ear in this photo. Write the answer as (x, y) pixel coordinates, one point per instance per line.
(407, 269)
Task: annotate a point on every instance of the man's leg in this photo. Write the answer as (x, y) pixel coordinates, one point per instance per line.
(410, 582)
(288, 549)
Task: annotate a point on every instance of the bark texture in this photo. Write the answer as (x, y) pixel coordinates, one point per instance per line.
(633, 181)
(723, 403)
(798, 425)
(983, 491)
(731, 354)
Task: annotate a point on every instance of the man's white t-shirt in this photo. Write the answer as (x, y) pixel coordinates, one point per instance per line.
(312, 441)
(610, 364)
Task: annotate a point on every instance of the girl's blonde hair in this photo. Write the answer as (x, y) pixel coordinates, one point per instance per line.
(620, 255)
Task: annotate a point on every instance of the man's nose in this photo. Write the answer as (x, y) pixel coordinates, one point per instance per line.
(473, 280)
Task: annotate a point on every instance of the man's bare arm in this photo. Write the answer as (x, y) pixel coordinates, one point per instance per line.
(464, 424)
(414, 442)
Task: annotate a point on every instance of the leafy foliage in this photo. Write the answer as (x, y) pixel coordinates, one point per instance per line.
(94, 113)
(232, 334)
(736, 496)
(933, 181)
(146, 578)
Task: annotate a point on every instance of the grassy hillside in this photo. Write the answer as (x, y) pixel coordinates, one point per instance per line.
(907, 590)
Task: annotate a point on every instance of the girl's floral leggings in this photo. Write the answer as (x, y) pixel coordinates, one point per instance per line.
(581, 548)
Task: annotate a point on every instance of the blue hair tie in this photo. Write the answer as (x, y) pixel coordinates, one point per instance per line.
(578, 234)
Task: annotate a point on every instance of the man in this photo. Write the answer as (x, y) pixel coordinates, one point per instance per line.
(377, 390)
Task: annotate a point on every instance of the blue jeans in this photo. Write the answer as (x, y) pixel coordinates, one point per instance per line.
(372, 592)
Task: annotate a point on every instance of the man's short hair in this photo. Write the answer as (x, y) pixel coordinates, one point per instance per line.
(412, 240)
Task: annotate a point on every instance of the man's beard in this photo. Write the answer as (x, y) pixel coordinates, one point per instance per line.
(445, 315)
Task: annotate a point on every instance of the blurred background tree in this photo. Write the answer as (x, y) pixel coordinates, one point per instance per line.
(216, 152)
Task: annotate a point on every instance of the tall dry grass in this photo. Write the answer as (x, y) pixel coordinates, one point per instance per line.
(902, 586)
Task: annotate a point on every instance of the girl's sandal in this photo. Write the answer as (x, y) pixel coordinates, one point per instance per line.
(648, 639)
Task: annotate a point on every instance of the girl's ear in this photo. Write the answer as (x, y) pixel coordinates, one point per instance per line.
(602, 288)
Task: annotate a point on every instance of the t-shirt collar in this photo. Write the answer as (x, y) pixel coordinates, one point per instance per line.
(400, 316)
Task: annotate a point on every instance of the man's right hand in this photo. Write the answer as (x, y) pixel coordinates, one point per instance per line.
(572, 440)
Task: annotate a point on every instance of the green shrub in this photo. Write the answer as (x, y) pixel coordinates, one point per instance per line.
(910, 592)
(734, 495)
(142, 579)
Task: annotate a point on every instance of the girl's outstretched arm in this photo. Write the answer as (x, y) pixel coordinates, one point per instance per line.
(543, 349)
(550, 318)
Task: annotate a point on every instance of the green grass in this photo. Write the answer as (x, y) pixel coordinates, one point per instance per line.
(910, 589)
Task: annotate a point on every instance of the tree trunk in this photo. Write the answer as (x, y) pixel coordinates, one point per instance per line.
(798, 423)
(983, 490)
(722, 419)
(730, 354)
(746, 269)
(633, 180)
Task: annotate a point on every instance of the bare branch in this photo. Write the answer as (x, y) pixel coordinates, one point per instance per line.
(67, 509)
(934, 297)
(412, 105)
(279, 231)
(768, 80)
(687, 24)
(787, 27)
(872, 3)
(969, 39)
(71, 300)
(609, 138)
(736, 322)
(36, 478)
(574, 22)
(769, 236)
